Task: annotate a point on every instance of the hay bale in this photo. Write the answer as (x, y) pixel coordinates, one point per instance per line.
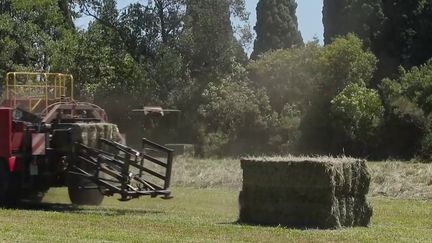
(100, 128)
(116, 135)
(80, 133)
(305, 192)
(90, 134)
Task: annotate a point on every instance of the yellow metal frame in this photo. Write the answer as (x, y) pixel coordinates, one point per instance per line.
(38, 88)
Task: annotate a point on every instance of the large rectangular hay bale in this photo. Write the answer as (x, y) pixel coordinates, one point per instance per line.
(305, 192)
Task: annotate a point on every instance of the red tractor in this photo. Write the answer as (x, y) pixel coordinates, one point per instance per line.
(47, 139)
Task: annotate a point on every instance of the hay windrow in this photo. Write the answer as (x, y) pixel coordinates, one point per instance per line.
(319, 192)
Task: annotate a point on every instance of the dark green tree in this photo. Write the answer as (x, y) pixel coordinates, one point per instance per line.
(66, 9)
(26, 29)
(408, 129)
(340, 64)
(406, 39)
(212, 39)
(364, 18)
(276, 26)
(287, 75)
(396, 31)
(237, 118)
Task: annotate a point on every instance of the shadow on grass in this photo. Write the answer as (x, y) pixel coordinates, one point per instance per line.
(288, 227)
(73, 209)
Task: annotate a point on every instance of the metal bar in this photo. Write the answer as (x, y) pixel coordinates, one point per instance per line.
(114, 189)
(148, 184)
(116, 161)
(14, 100)
(95, 152)
(156, 161)
(72, 87)
(159, 192)
(154, 173)
(7, 86)
(36, 105)
(83, 172)
(155, 145)
(109, 180)
(118, 168)
(88, 161)
(168, 172)
(46, 90)
(142, 165)
(123, 163)
(125, 177)
(91, 177)
(121, 147)
(33, 86)
(127, 150)
(112, 173)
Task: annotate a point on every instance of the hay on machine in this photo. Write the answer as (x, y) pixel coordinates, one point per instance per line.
(89, 134)
(305, 192)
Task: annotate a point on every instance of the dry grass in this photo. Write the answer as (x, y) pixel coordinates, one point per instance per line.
(389, 179)
(401, 180)
(200, 173)
(290, 158)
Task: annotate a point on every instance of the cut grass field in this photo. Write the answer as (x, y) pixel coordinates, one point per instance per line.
(403, 180)
(203, 210)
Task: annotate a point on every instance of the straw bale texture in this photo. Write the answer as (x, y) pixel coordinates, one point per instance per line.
(305, 192)
(90, 133)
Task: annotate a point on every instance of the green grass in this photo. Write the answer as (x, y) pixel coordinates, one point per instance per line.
(205, 209)
(197, 215)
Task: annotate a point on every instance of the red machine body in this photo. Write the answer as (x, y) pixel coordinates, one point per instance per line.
(5, 132)
(12, 137)
(42, 133)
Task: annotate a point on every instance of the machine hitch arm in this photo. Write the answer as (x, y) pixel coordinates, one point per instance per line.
(119, 169)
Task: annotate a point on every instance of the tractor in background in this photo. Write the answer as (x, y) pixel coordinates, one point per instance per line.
(48, 139)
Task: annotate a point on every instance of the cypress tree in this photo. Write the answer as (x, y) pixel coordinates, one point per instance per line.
(364, 18)
(212, 38)
(276, 27)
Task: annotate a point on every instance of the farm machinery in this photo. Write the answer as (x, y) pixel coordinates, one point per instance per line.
(47, 139)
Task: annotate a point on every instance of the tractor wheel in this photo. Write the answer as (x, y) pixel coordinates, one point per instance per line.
(80, 196)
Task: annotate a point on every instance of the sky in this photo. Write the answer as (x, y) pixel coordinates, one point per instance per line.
(309, 13)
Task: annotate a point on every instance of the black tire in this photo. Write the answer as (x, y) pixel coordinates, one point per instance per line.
(80, 196)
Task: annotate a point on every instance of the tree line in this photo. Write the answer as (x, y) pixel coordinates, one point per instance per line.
(364, 93)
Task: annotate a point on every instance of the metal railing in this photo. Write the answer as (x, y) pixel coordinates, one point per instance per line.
(36, 91)
(119, 169)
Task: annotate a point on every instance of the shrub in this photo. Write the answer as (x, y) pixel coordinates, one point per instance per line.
(237, 116)
(287, 75)
(409, 103)
(357, 113)
(340, 65)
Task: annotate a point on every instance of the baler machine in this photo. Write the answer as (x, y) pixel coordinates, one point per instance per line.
(47, 139)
